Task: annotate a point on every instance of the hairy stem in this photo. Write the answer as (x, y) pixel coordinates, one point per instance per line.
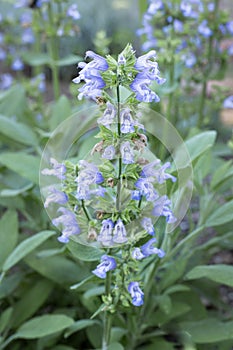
(85, 210)
(118, 194)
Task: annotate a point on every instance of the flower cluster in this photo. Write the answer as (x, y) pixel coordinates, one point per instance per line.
(148, 71)
(178, 20)
(89, 175)
(31, 21)
(169, 15)
(113, 200)
(91, 75)
(144, 71)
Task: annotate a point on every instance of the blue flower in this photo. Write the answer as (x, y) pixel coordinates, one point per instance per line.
(98, 62)
(26, 19)
(136, 293)
(17, 64)
(189, 59)
(2, 54)
(58, 170)
(230, 50)
(148, 249)
(108, 117)
(146, 188)
(83, 192)
(127, 153)
(229, 26)
(72, 12)
(137, 254)
(121, 59)
(69, 224)
(162, 208)
(178, 25)
(186, 8)
(107, 264)
(90, 74)
(154, 7)
(159, 173)
(211, 6)
(27, 36)
(147, 224)
(141, 89)
(204, 30)
(89, 174)
(119, 233)
(149, 67)
(228, 102)
(148, 71)
(109, 152)
(92, 88)
(148, 169)
(105, 236)
(136, 195)
(127, 122)
(55, 196)
(21, 3)
(6, 81)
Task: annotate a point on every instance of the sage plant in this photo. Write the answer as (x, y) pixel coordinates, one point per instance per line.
(113, 198)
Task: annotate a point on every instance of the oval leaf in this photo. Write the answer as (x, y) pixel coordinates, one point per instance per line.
(78, 326)
(218, 273)
(24, 164)
(18, 131)
(222, 215)
(25, 247)
(209, 330)
(8, 234)
(42, 326)
(84, 252)
(199, 143)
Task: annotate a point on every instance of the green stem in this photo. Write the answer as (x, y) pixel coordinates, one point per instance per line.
(210, 61)
(118, 194)
(107, 316)
(53, 52)
(85, 210)
(170, 98)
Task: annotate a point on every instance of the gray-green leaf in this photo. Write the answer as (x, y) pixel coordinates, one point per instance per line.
(223, 214)
(42, 326)
(209, 330)
(18, 131)
(218, 273)
(25, 247)
(8, 234)
(22, 163)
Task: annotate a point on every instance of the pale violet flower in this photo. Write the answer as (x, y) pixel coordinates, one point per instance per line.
(148, 249)
(228, 102)
(55, 196)
(58, 170)
(136, 293)
(107, 264)
(67, 220)
(119, 232)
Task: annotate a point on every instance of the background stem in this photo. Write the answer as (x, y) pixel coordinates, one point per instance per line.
(53, 52)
